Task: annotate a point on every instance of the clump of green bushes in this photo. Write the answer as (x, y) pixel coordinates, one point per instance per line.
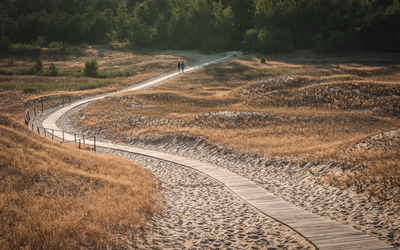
(91, 68)
(52, 71)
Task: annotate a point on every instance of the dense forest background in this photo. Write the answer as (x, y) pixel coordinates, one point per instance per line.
(254, 25)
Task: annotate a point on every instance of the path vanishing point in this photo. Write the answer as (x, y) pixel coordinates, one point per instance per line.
(322, 232)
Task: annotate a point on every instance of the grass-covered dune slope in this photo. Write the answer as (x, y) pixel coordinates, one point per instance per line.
(55, 196)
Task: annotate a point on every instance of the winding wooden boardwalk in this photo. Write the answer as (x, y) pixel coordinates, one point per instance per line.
(322, 232)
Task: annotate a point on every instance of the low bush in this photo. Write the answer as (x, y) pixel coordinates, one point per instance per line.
(91, 68)
(52, 71)
(61, 47)
(38, 66)
(55, 45)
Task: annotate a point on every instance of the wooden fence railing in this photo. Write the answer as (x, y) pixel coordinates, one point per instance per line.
(79, 139)
(45, 103)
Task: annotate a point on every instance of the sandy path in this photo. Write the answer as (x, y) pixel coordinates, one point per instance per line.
(199, 212)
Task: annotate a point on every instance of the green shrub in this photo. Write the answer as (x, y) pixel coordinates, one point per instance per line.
(38, 66)
(61, 47)
(36, 69)
(40, 41)
(55, 45)
(53, 70)
(91, 68)
(263, 59)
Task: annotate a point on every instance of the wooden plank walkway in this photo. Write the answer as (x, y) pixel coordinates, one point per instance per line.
(322, 232)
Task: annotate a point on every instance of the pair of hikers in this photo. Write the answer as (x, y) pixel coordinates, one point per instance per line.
(181, 65)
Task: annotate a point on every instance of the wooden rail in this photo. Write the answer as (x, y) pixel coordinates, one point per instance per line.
(79, 139)
(38, 108)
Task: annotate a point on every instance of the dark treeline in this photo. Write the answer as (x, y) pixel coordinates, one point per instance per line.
(255, 25)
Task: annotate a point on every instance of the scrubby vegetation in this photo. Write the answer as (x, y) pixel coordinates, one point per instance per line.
(91, 67)
(54, 196)
(52, 71)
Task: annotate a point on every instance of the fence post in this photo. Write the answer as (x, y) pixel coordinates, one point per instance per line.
(94, 143)
(41, 102)
(33, 128)
(83, 136)
(34, 109)
(52, 134)
(75, 138)
(79, 143)
(38, 130)
(45, 132)
(63, 135)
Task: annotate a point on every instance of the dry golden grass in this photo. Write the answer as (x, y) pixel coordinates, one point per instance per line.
(378, 171)
(310, 128)
(18, 92)
(329, 105)
(57, 197)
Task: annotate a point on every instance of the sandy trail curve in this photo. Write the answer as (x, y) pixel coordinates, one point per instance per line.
(322, 232)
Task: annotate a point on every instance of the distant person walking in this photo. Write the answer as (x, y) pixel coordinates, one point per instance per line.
(182, 66)
(179, 67)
